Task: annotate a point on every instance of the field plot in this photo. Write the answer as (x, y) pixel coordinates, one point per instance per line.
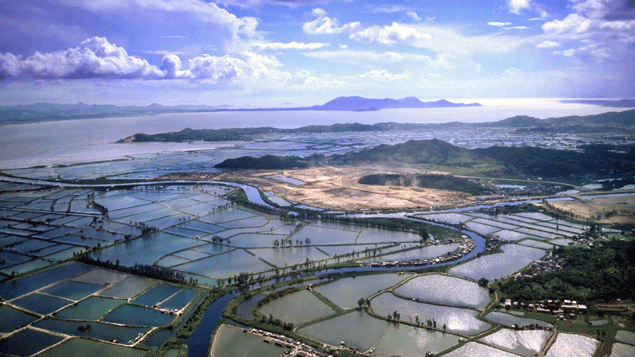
(60, 300)
(346, 292)
(409, 341)
(291, 255)
(27, 342)
(356, 329)
(524, 343)
(446, 290)
(297, 308)
(622, 350)
(496, 266)
(457, 320)
(453, 218)
(571, 345)
(230, 341)
(474, 349)
(225, 265)
(417, 253)
(79, 347)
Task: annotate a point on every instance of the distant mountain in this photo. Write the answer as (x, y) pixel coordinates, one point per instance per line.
(607, 120)
(362, 104)
(621, 103)
(415, 152)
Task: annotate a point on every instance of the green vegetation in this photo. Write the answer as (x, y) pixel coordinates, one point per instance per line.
(594, 162)
(268, 162)
(243, 134)
(604, 273)
(416, 152)
(440, 182)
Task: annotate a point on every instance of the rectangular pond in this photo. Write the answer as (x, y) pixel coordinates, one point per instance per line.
(499, 265)
(297, 308)
(356, 329)
(446, 290)
(458, 320)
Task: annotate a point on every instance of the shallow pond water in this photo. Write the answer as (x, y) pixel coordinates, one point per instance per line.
(409, 341)
(419, 253)
(144, 250)
(244, 310)
(98, 330)
(13, 319)
(40, 303)
(499, 265)
(232, 342)
(474, 349)
(356, 329)
(21, 286)
(226, 265)
(281, 257)
(625, 336)
(509, 320)
(571, 345)
(180, 299)
(79, 347)
(92, 308)
(458, 320)
(129, 287)
(346, 292)
(27, 342)
(138, 316)
(157, 294)
(622, 350)
(297, 308)
(524, 343)
(73, 290)
(446, 290)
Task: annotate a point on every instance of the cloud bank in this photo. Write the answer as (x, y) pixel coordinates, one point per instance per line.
(98, 58)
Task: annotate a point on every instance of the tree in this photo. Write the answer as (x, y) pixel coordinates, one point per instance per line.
(483, 282)
(360, 302)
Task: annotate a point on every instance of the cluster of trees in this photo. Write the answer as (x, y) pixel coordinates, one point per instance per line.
(604, 273)
(150, 271)
(277, 322)
(440, 182)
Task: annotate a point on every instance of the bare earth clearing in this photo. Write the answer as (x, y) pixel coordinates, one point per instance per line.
(336, 188)
(607, 210)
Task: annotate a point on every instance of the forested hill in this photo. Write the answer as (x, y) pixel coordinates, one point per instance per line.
(610, 120)
(414, 152)
(595, 161)
(244, 134)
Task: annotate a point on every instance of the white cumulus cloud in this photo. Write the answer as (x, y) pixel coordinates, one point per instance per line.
(93, 58)
(547, 44)
(499, 24)
(394, 33)
(98, 58)
(516, 6)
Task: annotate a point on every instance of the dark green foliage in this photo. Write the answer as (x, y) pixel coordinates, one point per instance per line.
(433, 151)
(551, 163)
(605, 272)
(440, 182)
(267, 162)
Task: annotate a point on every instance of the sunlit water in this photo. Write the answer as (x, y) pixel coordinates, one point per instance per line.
(82, 140)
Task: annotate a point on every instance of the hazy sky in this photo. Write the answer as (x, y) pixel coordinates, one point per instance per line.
(297, 52)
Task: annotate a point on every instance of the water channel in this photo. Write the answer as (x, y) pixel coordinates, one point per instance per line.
(198, 343)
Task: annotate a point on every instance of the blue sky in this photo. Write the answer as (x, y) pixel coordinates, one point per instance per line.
(264, 53)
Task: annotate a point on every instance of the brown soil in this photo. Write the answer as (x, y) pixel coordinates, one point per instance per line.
(336, 188)
(610, 210)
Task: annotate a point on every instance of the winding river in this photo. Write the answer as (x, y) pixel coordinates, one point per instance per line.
(198, 343)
